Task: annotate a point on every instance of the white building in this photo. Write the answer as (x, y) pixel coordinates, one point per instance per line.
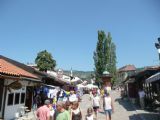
(14, 85)
(68, 79)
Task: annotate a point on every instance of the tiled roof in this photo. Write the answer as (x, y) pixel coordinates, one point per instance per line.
(10, 69)
(127, 68)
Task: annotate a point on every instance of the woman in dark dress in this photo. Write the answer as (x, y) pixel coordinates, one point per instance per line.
(76, 113)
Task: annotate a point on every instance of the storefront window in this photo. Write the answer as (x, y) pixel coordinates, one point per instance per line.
(22, 98)
(10, 98)
(17, 96)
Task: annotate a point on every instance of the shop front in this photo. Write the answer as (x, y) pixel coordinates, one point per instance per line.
(14, 98)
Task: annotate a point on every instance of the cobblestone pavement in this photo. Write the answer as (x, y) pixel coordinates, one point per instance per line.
(123, 108)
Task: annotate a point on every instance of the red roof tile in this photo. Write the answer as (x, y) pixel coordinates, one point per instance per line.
(10, 69)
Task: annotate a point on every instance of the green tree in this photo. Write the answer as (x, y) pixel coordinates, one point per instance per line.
(45, 61)
(99, 56)
(110, 56)
(113, 69)
(105, 56)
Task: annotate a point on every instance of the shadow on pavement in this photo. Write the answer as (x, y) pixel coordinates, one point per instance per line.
(102, 112)
(125, 103)
(150, 116)
(134, 117)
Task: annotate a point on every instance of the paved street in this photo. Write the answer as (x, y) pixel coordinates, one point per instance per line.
(123, 109)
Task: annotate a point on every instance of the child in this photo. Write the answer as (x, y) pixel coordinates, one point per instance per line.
(96, 103)
(68, 106)
(89, 115)
(61, 113)
(75, 111)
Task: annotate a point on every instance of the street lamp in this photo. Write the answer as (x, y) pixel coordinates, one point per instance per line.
(157, 45)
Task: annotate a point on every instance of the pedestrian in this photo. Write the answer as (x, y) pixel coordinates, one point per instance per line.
(102, 92)
(141, 98)
(54, 102)
(43, 112)
(108, 105)
(73, 97)
(75, 111)
(89, 115)
(60, 95)
(96, 103)
(37, 101)
(68, 106)
(78, 95)
(91, 95)
(98, 92)
(65, 96)
(61, 113)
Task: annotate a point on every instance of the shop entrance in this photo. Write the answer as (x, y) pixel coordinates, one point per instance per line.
(29, 97)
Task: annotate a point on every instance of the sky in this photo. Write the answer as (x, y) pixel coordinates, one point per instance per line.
(68, 30)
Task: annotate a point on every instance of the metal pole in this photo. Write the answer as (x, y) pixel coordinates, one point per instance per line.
(159, 58)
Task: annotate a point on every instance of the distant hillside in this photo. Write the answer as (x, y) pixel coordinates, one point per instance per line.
(84, 75)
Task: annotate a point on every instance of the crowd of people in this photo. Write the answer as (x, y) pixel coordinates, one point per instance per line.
(107, 101)
(66, 107)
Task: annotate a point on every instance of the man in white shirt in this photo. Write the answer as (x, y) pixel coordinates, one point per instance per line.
(141, 98)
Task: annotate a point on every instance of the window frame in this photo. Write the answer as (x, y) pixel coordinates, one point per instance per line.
(12, 99)
(22, 102)
(18, 99)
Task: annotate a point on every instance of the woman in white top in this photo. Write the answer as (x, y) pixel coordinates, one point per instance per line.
(108, 105)
(96, 103)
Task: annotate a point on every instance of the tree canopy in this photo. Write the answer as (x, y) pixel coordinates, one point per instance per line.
(45, 61)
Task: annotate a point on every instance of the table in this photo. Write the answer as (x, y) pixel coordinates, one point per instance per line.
(23, 110)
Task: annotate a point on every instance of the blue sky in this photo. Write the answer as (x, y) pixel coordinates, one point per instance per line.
(68, 29)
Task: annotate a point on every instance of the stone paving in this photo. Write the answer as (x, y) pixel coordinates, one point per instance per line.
(123, 109)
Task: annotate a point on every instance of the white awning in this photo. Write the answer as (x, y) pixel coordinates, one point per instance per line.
(90, 86)
(153, 78)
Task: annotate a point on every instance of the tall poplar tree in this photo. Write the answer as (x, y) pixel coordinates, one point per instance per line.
(99, 55)
(105, 56)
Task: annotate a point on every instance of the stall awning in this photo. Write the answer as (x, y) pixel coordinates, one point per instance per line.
(153, 78)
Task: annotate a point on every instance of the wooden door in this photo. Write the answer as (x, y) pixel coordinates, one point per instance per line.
(29, 97)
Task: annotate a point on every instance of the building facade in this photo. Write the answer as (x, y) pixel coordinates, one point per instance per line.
(14, 82)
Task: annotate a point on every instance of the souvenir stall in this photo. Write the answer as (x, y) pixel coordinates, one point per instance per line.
(13, 89)
(154, 82)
